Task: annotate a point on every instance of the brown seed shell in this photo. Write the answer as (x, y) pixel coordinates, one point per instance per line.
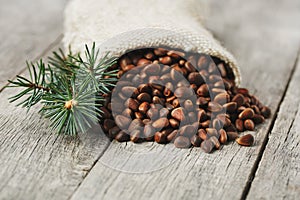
(202, 134)
(216, 142)
(135, 136)
(165, 60)
(143, 61)
(214, 107)
(232, 136)
(144, 107)
(243, 91)
(188, 131)
(239, 99)
(171, 137)
(230, 107)
(248, 113)
(163, 112)
(174, 123)
(128, 91)
(144, 97)
(161, 123)
(223, 136)
(246, 140)
(249, 125)
(266, 112)
(196, 141)
(258, 119)
(207, 146)
(222, 98)
(202, 115)
(239, 124)
(195, 78)
(178, 113)
(183, 92)
(122, 137)
(152, 69)
(182, 142)
(203, 90)
(122, 121)
(160, 138)
(153, 113)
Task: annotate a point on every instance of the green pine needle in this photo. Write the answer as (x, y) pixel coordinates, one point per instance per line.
(68, 88)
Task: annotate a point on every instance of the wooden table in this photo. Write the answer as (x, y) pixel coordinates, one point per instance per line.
(38, 164)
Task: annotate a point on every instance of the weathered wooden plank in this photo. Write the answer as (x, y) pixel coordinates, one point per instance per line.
(27, 28)
(35, 162)
(278, 175)
(259, 40)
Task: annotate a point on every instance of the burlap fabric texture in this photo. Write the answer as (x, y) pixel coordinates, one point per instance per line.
(119, 26)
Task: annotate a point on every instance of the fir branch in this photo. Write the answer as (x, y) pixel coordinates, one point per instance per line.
(72, 107)
(63, 63)
(35, 87)
(68, 89)
(96, 71)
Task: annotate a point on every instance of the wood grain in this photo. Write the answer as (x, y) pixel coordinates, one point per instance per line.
(35, 162)
(267, 58)
(27, 29)
(278, 175)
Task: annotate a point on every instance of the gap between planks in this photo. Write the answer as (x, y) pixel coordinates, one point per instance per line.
(113, 186)
(278, 174)
(266, 139)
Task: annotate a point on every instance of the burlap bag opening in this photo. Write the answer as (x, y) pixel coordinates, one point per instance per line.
(119, 26)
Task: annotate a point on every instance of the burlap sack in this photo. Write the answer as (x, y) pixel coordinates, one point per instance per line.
(118, 26)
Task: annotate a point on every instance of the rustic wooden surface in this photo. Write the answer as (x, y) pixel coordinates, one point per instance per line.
(35, 164)
(278, 176)
(27, 31)
(267, 59)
